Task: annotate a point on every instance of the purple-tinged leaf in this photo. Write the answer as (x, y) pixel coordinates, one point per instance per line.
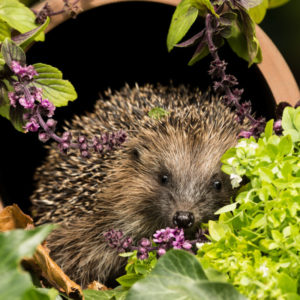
(244, 3)
(227, 18)
(16, 117)
(12, 52)
(194, 39)
(3, 93)
(226, 32)
(250, 3)
(201, 52)
(23, 40)
(243, 40)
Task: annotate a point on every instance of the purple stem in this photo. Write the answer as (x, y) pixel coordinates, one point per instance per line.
(214, 53)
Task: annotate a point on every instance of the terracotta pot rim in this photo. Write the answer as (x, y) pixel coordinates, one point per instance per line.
(274, 68)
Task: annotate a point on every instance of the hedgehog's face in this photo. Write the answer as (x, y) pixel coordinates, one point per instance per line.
(177, 180)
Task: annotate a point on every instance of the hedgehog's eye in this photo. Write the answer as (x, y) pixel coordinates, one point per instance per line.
(164, 179)
(135, 154)
(217, 185)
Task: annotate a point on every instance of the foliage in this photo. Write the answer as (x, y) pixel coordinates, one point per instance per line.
(136, 268)
(234, 21)
(105, 295)
(15, 15)
(256, 239)
(178, 275)
(14, 245)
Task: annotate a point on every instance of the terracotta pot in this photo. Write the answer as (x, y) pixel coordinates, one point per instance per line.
(273, 67)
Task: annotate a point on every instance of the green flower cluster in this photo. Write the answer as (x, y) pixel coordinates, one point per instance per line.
(256, 240)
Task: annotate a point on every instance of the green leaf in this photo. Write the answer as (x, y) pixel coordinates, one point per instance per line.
(23, 40)
(258, 221)
(104, 295)
(276, 3)
(157, 113)
(129, 279)
(217, 231)
(287, 284)
(285, 145)
(18, 16)
(11, 51)
(4, 31)
(269, 129)
(296, 119)
(258, 12)
(55, 89)
(182, 20)
(41, 294)
(204, 7)
(226, 208)
(15, 245)
(265, 174)
(295, 135)
(179, 275)
(287, 118)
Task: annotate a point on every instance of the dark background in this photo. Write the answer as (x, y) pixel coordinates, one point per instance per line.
(108, 47)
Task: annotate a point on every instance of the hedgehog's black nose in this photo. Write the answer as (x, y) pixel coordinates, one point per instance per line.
(183, 219)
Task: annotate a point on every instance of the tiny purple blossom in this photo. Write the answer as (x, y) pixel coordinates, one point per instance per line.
(32, 125)
(43, 136)
(278, 127)
(161, 251)
(245, 134)
(145, 242)
(48, 107)
(12, 98)
(27, 102)
(36, 93)
(51, 123)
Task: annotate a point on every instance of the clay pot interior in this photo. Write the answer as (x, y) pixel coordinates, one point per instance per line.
(123, 43)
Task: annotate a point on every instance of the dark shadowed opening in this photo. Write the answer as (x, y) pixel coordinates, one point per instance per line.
(108, 47)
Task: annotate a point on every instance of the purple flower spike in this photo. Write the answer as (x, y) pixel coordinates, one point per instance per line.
(66, 141)
(83, 146)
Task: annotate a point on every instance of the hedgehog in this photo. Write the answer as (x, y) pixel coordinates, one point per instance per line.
(166, 174)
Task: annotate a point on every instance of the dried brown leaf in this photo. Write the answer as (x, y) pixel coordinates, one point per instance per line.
(97, 286)
(55, 275)
(11, 217)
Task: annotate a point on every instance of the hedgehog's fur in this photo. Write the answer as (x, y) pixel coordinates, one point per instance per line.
(122, 189)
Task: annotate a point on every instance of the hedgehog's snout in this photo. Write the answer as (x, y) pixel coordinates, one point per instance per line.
(183, 219)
